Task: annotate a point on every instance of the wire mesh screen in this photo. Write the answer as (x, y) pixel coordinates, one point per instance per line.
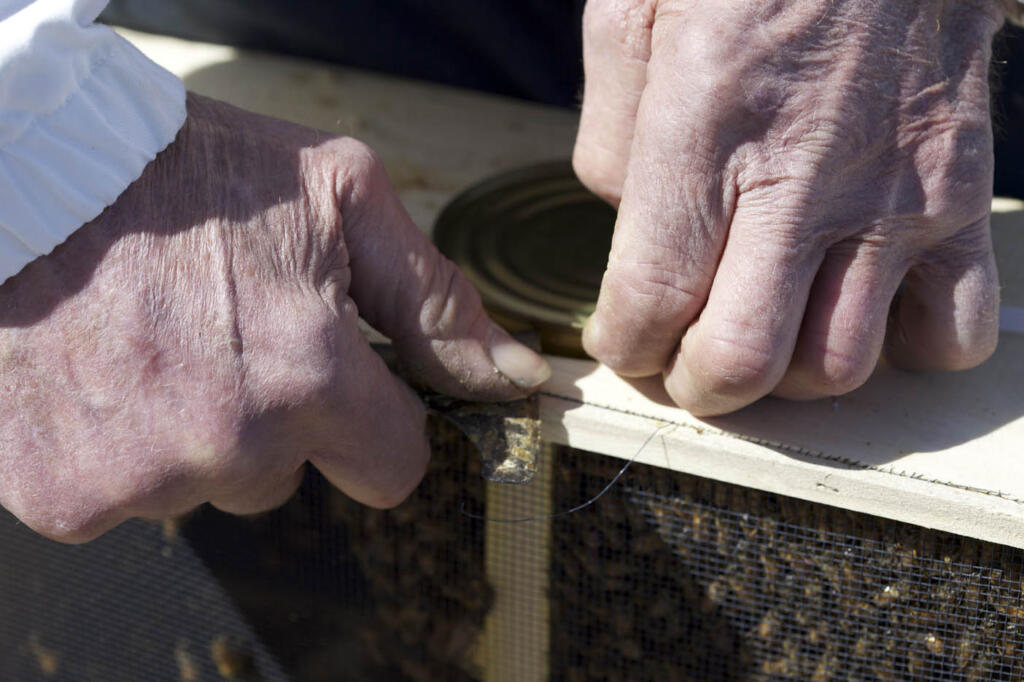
(667, 577)
(321, 589)
(674, 577)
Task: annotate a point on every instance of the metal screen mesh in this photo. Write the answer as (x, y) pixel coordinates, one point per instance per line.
(667, 577)
(701, 580)
(319, 590)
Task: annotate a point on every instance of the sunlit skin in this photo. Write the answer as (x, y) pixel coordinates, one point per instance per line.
(198, 342)
(780, 169)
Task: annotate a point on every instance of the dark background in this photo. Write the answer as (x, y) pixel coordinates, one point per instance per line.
(527, 48)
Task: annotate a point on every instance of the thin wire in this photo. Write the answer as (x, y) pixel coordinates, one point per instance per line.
(789, 448)
(573, 510)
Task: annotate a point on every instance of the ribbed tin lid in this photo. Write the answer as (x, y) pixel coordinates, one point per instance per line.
(535, 243)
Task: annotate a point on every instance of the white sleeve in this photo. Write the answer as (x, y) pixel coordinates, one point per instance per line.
(81, 114)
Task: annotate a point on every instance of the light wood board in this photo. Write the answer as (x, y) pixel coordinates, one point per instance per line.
(940, 450)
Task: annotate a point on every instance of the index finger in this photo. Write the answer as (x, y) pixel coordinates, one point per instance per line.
(672, 222)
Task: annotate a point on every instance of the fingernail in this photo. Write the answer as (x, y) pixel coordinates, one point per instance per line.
(518, 363)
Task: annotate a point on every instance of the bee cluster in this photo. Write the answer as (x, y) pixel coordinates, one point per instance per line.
(424, 565)
(666, 577)
(675, 577)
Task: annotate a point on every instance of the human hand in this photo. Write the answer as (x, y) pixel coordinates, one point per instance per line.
(782, 168)
(198, 341)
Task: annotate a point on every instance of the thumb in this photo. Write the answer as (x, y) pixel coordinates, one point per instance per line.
(405, 288)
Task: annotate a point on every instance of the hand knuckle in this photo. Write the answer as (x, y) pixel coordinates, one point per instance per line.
(736, 366)
(358, 168)
(388, 498)
(298, 365)
(72, 520)
(969, 352)
(654, 290)
(979, 349)
(608, 351)
(396, 491)
(619, 23)
(842, 370)
(358, 155)
(597, 172)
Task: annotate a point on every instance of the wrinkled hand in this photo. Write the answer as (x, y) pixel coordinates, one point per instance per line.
(198, 341)
(782, 167)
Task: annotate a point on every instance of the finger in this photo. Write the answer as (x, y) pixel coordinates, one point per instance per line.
(369, 435)
(77, 503)
(405, 288)
(947, 315)
(740, 347)
(616, 48)
(74, 528)
(844, 326)
(670, 231)
(265, 495)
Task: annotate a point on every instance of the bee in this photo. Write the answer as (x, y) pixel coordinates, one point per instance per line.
(231, 659)
(933, 644)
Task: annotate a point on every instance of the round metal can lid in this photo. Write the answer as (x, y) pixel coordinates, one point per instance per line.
(534, 242)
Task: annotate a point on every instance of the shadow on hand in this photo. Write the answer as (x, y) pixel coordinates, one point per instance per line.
(225, 165)
(895, 414)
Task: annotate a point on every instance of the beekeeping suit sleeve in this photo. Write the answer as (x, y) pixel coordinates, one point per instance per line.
(82, 112)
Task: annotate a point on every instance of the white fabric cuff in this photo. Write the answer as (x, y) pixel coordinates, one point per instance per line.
(65, 165)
